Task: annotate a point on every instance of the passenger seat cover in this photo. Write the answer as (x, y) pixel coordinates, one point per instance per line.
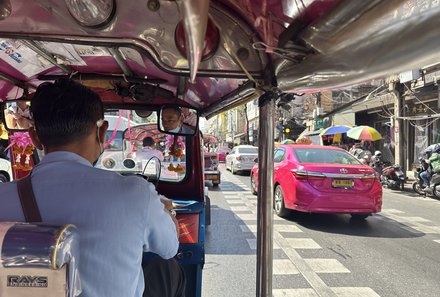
(39, 260)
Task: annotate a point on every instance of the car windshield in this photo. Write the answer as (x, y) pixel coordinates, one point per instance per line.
(134, 145)
(248, 150)
(315, 155)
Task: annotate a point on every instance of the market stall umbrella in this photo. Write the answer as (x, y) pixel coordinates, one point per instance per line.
(364, 133)
(335, 130)
(287, 141)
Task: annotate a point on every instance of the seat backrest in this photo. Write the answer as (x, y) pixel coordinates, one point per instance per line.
(39, 260)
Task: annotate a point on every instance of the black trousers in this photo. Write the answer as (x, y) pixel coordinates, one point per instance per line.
(163, 278)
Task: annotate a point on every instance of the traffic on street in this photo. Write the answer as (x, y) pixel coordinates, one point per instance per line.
(392, 253)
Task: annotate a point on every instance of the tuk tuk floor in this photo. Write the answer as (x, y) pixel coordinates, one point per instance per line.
(394, 253)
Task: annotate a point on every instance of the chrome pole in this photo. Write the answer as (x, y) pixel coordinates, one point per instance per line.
(265, 194)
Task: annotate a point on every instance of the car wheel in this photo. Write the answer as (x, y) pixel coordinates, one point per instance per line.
(253, 185)
(359, 216)
(215, 184)
(402, 185)
(280, 209)
(3, 178)
(232, 169)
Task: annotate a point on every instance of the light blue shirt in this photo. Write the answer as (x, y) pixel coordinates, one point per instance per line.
(118, 218)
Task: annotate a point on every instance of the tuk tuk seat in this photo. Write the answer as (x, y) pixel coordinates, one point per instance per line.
(39, 260)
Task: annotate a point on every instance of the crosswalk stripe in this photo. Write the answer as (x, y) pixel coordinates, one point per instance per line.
(339, 291)
(284, 267)
(303, 243)
(326, 266)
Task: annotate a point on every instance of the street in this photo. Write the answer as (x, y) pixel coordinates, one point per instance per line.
(393, 253)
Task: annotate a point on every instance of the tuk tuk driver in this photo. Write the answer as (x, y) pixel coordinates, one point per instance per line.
(173, 121)
(118, 217)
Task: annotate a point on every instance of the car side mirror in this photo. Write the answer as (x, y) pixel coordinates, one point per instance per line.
(256, 160)
(178, 120)
(227, 153)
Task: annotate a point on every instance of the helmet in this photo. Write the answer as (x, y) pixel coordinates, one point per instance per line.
(378, 153)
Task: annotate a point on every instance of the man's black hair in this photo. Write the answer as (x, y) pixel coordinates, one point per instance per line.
(176, 109)
(147, 141)
(65, 111)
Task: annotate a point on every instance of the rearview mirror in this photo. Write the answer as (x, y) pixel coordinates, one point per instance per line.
(17, 115)
(177, 120)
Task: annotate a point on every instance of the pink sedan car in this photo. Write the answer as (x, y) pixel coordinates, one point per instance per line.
(221, 153)
(322, 179)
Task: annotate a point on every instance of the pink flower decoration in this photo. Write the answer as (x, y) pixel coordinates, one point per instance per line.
(21, 139)
(170, 140)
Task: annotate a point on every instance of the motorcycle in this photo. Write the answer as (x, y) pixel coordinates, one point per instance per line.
(434, 188)
(393, 177)
(418, 184)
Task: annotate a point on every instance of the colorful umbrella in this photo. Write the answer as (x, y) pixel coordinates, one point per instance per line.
(364, 133)
(287, 141)
(335, 130)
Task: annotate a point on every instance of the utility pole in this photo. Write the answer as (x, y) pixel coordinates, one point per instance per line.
(399, 132)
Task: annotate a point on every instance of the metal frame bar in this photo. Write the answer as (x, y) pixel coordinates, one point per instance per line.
(265, 195)
(91, 76)
(36, 48)
(117, 55)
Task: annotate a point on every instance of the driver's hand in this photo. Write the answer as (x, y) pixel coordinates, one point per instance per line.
(168, 203)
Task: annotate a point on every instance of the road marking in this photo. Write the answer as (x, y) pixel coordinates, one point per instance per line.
(354, 292)
(294, 293)
(340, 292)
(427, 229)
(392, 211)
(250, 217)
(253, 244)
(231, 194)
(318, 285)
(437, 240)
(287, 228)
(414, 224)
(303, 243)
(279, 228)
(239, 208)
(326, 266)
(411, 219)
(284, 267)
(233, 198)
(235, 201)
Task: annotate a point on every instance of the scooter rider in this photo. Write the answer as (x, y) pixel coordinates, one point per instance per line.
(434, 162)
(377, 161)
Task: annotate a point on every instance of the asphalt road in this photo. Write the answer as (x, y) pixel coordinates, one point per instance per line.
(393, 253)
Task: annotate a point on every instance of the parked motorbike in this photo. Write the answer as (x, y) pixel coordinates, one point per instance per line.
(393, 177)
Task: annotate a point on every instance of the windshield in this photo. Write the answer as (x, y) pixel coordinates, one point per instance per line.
(134, 145)
(312, 155)
(248, 150)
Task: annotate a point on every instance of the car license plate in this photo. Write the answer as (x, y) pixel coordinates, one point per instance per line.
(342, 183)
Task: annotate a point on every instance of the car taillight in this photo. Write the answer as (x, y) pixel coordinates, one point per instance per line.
(299, 174)
(304, 174)
(370, 177)
(239, 158)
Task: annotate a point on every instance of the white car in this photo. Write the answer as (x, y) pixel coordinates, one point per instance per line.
(5, 171)
(241, 158)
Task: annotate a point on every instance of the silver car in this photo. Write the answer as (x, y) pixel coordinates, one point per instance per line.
(5, 171)
(241, 158)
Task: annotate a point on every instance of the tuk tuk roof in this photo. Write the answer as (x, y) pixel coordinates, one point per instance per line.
(250, 46)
